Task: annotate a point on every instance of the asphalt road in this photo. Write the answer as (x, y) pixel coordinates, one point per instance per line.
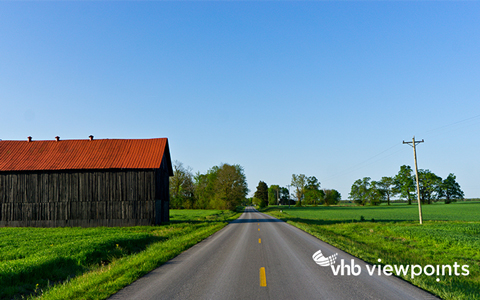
(260, 257)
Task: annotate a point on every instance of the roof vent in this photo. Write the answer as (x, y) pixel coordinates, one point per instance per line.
(57, 138)
(90, 137)
(29, 138)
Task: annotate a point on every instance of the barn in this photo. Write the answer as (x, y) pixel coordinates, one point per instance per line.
(90, 182)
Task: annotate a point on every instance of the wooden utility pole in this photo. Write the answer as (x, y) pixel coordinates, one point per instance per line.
(413, 144)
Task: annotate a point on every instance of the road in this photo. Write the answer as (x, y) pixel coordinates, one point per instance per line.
(260, 257)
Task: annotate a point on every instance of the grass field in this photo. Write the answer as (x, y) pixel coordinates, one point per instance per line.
(451, 233)
(464, 211)
(93, 263)
(199, 215)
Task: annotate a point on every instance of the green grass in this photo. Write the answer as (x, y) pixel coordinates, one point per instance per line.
(94, 263)
(451, 233)
(465, 211)
(181, 215)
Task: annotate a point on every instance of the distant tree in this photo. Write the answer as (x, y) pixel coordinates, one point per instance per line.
(230, 187)
(331, 197)
(359, 191)
(451, 190)
(430, 186)
(273, 194)
(299, 182)
(222, 187)
(387, 185)
(314, 197)
(262, 193)
(257, 202)
(375, 193)
(405, 183)
(313, 194)
(182, 188)
(312, 183)
(205, 188)
(284, 196)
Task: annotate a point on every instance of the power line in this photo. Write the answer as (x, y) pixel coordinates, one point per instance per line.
(357, 166)
(453, 124)
(361, 164)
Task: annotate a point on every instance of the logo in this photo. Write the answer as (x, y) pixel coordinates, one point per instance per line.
(324, 261)
(388, 270)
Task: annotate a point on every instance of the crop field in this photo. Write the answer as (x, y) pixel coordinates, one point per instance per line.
(450, 234)
(93, 263)
(465, 211)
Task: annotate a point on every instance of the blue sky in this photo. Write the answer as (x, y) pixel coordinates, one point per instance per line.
(323, 88)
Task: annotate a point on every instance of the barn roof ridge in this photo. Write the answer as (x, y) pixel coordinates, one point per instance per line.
(87, 139)
(81, 154)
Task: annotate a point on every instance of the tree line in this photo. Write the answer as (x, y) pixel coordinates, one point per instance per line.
(221, 187)
(432, 188)
(306, 191)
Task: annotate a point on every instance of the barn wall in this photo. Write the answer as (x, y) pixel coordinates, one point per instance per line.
(78, 198)
(162, 191)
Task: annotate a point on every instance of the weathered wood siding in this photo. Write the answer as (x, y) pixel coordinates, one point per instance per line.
(84, 198)
(162, 188)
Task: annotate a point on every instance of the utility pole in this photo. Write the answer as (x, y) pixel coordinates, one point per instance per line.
(413, 144)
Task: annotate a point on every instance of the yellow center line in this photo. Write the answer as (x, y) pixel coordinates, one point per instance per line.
(263, 277)
(259, 241)
(258, 229)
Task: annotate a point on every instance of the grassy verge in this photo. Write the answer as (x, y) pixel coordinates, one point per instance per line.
(203, 215)
(389, 237)
(94, 263)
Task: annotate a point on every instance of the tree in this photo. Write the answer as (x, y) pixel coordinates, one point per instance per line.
(387, 185)
(262, 193)
(230, 187)
(430, 186)
(405, 183)
(257, 202)
(284, 196)
(314, 197)
(299, 182)
(312, 183)
(313, 194)
(222, 187)
(182, 189)
(375, 193)
(205, 188)
(451, 189)
(273, 194)
(359, 191)
(331, 197)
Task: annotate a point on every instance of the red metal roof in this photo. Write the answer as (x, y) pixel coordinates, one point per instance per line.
(83, 154)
